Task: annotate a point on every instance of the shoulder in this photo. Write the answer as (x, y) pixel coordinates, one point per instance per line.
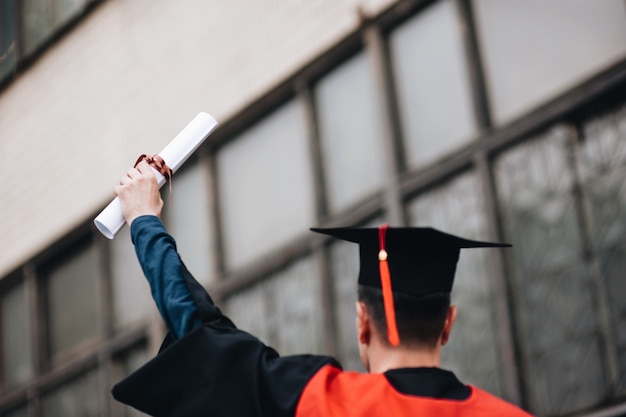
(495, 405)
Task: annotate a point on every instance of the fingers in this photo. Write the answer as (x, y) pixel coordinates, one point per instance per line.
(144, 168)
(132, 173)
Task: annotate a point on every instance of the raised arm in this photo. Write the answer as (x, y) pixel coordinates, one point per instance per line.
(214, 368)
(156, 250)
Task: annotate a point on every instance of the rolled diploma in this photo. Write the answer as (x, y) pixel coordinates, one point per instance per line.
(111, 220)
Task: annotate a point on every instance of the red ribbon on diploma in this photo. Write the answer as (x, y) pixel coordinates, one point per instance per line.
(156, 162)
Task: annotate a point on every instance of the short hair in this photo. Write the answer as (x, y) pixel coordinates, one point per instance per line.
(419, 319)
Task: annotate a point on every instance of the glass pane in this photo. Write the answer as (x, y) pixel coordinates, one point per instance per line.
(246, 307)
(552, 285)
(535, 49)
(473, 352)
(72, 300)
(188, 221)
(603, 169)
(295, 300)
(16, 337)
(265, 186)
(37, 16)
(350, 114)
(65, 10)
(125, 364)
(132, 302)
(289, 305)
(16, 412)
(78, 398)
(432, 83)
(344, 257)
(8, 37)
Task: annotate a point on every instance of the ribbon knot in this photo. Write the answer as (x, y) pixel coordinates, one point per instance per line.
(156, 162)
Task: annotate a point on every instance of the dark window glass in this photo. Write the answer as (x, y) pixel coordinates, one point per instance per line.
(16, 412)
(16, 337)
(8, 38)
(77, 398)
(126, 363)
(132, 302)
(603, 172)
(72, 300)
(553, 285)
(473, 351)
(38, 23)
(283, 311)
(344, 258)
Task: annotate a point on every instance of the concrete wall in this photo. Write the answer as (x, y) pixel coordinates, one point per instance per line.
(125, 81)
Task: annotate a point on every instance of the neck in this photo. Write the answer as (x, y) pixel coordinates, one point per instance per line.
(383, 358)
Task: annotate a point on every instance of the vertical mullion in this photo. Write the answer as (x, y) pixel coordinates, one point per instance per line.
(473, 57)
(306, 101)
(377, 54)
(104, 301)
(37, 314)
(502, 286)
(36, 311)
(215, 215)
(600, 291)
(513, 385)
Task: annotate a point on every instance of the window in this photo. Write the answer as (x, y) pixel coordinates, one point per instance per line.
(283, 311)
(8, 37)
(536, 49)
(246, 306)
(17, 412)
(188, 221)
(553, 284)
(72, 300)
(603, 170)
(126, 363)
(42, 18)
(77, 398)
(344, 264)
(132, 302)
(432, 84)
(265, 185)
(457, 207)
(344, 258)
(350, 116)
(295, 295)
(16, 337)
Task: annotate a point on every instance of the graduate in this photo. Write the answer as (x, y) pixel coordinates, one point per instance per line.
(208, 367)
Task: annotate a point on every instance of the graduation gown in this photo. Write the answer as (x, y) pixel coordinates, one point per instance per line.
(219, 370)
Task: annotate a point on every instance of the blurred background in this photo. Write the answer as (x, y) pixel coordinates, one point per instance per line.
(496, 120)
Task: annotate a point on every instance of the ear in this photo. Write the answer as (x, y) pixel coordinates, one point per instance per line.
(448, 324)
(363, 324)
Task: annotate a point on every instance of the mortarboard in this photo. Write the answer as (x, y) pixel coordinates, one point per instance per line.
(411, 260)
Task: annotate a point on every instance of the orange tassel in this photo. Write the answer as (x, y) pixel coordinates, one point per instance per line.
(385, 278)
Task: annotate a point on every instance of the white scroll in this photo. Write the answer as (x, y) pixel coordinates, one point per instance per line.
(111, 220)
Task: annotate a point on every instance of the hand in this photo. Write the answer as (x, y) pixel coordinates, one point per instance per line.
(139, 193)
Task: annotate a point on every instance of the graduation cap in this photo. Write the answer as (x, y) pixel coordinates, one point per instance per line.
(411, 260)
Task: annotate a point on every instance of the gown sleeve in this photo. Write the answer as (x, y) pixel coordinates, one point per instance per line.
(161, 264)
(211, 368)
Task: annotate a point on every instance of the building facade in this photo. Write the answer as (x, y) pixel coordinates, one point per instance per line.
(491, 119)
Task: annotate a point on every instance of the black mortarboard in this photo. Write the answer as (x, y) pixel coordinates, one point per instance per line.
(412, 260)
